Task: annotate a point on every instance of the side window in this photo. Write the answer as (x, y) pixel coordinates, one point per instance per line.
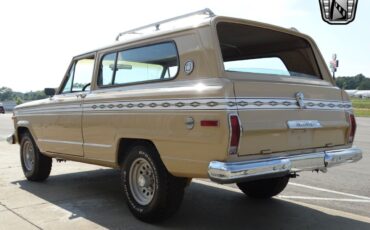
(68, 86)
(149, 63)
(171, 71)
(79, 76)
(107, 69)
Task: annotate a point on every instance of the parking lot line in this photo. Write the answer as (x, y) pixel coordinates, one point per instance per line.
(323, 198)
(316, 207)
(329, 191)
(362, 198)
(211, 184)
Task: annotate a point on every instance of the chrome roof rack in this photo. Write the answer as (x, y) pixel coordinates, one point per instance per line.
(205, 11)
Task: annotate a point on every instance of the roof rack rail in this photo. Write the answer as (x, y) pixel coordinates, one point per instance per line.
(205, 11)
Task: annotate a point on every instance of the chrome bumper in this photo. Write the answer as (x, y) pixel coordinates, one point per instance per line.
(11, 139)
(231, 172)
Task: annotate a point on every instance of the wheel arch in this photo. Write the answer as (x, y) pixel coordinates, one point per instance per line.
(125, 144)
(21, 130)
(22, 126)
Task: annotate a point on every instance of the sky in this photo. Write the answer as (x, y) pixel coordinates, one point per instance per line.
(38, 38)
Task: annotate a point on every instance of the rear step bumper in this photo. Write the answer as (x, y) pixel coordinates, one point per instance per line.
(232, 172)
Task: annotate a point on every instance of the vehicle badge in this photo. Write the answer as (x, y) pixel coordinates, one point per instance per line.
(338, 12)
(300, 100)
(189, 66)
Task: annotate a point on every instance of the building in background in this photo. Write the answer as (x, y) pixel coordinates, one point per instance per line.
(8, 105)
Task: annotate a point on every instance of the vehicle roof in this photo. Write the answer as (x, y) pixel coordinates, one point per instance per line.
(194, 26)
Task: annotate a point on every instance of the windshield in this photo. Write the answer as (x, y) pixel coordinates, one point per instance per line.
(258, 50)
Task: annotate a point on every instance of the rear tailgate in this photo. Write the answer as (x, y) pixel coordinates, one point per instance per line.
(265, 114)
(284, 94)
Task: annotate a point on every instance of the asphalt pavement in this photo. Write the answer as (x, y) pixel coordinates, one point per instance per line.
(85, 196)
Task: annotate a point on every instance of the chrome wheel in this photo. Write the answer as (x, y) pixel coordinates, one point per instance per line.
(142, 181)
(28, 154)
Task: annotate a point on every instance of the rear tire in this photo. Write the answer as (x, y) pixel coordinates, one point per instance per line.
(151, 192)
(264, 189)
(35, 165)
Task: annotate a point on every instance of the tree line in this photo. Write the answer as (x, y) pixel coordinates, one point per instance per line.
(359, 82)
(7, 94)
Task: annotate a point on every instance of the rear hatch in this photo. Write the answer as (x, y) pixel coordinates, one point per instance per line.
(266, 115)
(284, 102)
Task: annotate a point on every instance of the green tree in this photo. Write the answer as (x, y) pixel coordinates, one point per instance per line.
(18, 101)
(365, 85)
(351, 82)
(37, 95)
(6, 94)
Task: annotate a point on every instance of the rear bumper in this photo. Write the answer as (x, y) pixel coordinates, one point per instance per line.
(232, 172)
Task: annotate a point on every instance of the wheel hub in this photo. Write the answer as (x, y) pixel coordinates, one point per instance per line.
(28, 155)
(142, 182)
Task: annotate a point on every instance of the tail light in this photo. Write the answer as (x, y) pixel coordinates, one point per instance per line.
(352, 127)
(235, 134)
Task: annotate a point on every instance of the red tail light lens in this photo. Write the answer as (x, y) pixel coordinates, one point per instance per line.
(235, 134)
(352, 128)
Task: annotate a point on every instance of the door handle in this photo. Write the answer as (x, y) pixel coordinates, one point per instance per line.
(82, 95)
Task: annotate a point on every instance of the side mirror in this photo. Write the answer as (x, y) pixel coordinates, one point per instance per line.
(49, 91)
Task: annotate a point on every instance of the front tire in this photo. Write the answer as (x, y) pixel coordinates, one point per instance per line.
(264, 189)
(151, 192)
(35, 165)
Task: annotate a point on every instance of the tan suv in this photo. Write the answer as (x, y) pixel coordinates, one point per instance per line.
(196, 96)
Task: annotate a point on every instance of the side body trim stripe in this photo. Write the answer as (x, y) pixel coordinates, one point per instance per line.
(228, 104)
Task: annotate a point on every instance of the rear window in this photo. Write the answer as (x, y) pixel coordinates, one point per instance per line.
(250, 49)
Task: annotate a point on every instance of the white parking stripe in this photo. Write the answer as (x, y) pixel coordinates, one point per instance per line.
(330, 191)
(363, 198)
(323, 198)
(211, 184)
(320, 208)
